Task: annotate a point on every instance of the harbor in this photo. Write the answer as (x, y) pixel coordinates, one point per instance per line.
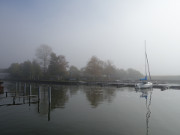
(94, 105)
(22, 92)
(156, 84)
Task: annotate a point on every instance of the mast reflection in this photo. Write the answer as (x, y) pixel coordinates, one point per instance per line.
(148, 103)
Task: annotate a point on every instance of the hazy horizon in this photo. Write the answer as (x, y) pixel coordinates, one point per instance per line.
(111, 30)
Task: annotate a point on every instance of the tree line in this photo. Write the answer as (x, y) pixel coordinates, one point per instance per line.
(50, 66)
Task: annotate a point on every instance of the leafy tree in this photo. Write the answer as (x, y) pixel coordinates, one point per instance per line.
(94, 67)
(14, 70)
(36, 70)
(133, 74)
(58, 66)
(74, 73)
(109, 70)
(122, 74)
(26, 70)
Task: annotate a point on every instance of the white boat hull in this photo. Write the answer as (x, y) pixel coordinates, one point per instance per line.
(144, 85)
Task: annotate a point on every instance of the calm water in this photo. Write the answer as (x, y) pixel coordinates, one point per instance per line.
(82, 110)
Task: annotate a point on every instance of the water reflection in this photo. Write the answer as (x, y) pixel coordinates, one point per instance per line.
(89, 110)
(73, 90)
(97, 95)
(60, 97)
(144, 94)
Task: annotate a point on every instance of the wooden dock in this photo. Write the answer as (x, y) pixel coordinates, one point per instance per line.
(117, 84)
(157, 86)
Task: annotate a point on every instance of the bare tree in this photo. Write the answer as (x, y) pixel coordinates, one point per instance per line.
(43, 54)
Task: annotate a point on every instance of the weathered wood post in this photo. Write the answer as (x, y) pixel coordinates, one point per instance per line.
(16, 88)
(6, 93)
(14, 100)
(49, 95)
(39, 93)
(39, 97)
(29, 94)
(49, 113)
(24, 93)
(24, 89)
(19, 86)
(49, 98)
(38, 106)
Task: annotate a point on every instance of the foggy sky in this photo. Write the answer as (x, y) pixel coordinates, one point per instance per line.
(109, 29)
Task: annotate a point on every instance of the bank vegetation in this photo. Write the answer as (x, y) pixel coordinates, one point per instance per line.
(50, 66)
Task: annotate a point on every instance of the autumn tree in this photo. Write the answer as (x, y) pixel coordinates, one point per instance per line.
(14, 70)
(57, 66)
(74, 72)
(26, 69)
(94, 67)
(133, 74)
(109, 70)
(36, 70)
(121, 74)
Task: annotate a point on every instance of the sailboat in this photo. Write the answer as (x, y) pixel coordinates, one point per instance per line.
(144, 83)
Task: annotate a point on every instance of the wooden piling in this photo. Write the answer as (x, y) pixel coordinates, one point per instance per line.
(24, 89)
(19, 86)
(39, 93)
(49, 98)
(14, 100)
(30, 92)
(49, 95)
(16, 88)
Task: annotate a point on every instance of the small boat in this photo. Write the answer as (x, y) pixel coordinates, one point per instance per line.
(144, 83)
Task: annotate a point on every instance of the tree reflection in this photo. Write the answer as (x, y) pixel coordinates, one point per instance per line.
(97, 95)
(43, 104)
(59, 97)
(73, 90)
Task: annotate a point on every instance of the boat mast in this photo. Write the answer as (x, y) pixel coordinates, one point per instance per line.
(147, 62)
(145, 59)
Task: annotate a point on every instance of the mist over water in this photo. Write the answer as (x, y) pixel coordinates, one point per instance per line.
(111, 30)
(95, 52)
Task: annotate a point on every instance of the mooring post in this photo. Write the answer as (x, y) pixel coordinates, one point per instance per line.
(24, 89)
(49, 112)
(16, 88)
(39, 97)
(19, 86)
(49, 98)
(39, 93)
(14, 100)
(49, 95)
(6, 93)
(38, 106)
(16, 85)
(30, 92)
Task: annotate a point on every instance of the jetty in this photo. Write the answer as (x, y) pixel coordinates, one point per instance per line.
(118, 84)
